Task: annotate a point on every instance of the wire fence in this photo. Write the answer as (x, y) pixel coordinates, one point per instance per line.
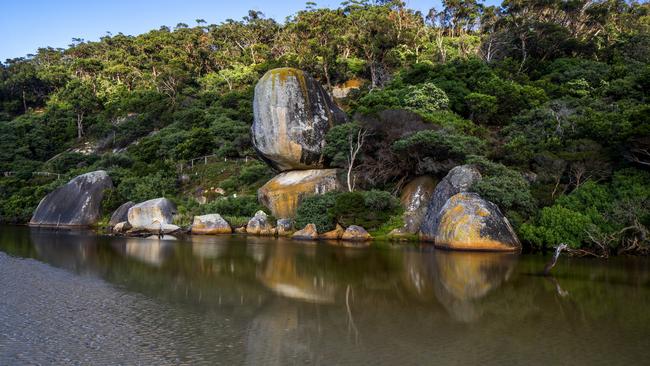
(48, 174)
(204, 160)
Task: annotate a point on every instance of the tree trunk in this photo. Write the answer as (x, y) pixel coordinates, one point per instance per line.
(80, 126)
(24, 101)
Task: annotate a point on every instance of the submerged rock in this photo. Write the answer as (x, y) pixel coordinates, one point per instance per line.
(335, 234)
(468, 222)
(77, 203)
(284, 193)
(355, 233)
(292, 114)
(121, 214)
(210, 224)
(148, 214)
(260, 225)
(459, 179)
(309, 232)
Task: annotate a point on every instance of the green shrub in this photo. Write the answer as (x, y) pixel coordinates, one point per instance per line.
(426, 97)
(317, 210)
(369, 209)
(138, 189)
(506, 187)
(233, 206)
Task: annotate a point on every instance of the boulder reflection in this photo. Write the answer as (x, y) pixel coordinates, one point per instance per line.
(152, 251)
(286, 275)
(465, 277)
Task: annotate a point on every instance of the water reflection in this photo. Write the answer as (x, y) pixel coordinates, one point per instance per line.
(464, 277)
(247, 300)
(152, 251)
(285, 274)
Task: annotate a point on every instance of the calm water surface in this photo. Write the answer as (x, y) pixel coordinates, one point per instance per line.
(79, 298)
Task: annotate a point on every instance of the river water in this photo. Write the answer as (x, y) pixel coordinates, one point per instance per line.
(80, 298)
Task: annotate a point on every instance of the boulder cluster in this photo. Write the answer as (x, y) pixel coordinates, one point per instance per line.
(454, 218)
(292, 114)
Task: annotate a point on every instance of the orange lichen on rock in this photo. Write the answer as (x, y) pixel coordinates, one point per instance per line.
(468, 222)
(285, 192)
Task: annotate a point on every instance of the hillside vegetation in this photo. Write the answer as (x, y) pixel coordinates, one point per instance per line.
(547, 98)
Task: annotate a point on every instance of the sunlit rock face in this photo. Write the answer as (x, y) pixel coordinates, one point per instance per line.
(121, 214)
(468, 222)
(210, 224)
(459, 179)
(292, 114)
(414, 199)
(284, 193)
(463, 278)
(158, 211)
(77, 203)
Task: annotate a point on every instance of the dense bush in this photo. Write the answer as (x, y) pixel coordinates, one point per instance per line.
(369, 209)
(241, 206)
(609, 216)
(317, 210)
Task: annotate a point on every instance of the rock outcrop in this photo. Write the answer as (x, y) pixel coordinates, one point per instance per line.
(309, 232)
(121, 214)
(415, 199)
(355, 233)
(260, 225)
(292, 114)
(284, 193)
(153, 213)
(210, 224)
(459, 179)
(468, 222)
(77, 203)
(335, 234)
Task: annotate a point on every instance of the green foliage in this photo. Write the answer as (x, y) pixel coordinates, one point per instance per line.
(317, 210)
(369, 209)
(613, 215)
(240, 206)
(425, 97)
(506, 187)
(142, 188)
(337, 143)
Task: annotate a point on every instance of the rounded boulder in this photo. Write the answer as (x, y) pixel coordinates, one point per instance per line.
(77, 203)
(468, 222)
(292, 113)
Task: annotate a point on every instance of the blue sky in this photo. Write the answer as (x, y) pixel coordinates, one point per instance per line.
(26, 25)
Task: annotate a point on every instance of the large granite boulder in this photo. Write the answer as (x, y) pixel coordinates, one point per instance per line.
(121, 214)
(284, 193)
(459, 179)
(147, 214)
(77, 203)
(260, 225)
(292, 114)
(415, 198)
(210, 224)
(468, 222)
